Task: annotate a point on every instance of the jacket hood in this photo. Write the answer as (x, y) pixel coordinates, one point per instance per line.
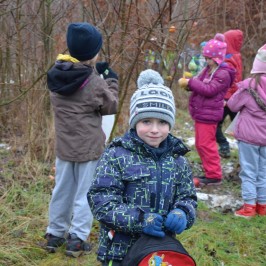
(234, 40)
(65, 78)
(231, 71)
(251, 83)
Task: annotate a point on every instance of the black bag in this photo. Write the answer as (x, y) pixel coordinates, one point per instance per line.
(149, 250)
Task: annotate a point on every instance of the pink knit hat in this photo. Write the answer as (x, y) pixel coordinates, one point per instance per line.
(216, 48)
(259, 64)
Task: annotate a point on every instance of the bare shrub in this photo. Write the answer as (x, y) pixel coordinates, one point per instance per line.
(137, 34)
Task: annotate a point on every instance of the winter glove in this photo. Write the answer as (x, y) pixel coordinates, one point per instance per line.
(152, 224)
(101, 67)
(176, 221)
(104, 70)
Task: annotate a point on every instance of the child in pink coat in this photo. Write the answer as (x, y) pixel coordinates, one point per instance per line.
(250, 131)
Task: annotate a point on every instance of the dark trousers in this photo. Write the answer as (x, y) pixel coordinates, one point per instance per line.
(220, 138)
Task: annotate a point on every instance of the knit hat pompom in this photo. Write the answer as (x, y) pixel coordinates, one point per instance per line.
(216, 48)
(219, 37)
(149, 76)
(259, 64)
(152, 99)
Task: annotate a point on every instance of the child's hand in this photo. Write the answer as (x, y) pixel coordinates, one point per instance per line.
(109, 74)
(101, 67)
(152, 224)
(183, 82)
(52, 175)
(176, 221)
(104, 70)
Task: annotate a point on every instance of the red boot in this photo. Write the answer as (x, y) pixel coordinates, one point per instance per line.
(261, 209)
(247, 211)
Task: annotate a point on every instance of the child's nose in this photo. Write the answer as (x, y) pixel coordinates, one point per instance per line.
(154, 127)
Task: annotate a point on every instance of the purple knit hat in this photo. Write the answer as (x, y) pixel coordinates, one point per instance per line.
(215, 48)
(259, 64)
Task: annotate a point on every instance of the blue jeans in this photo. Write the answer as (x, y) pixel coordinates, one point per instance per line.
(252, 160)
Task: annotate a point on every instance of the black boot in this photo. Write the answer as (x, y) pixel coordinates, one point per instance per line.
(53, 242)
(76, 247)
(224, 151)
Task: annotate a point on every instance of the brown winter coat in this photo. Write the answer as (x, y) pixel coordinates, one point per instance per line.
(78, 116)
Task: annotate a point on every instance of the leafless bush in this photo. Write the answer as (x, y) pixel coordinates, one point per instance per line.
(137, 35)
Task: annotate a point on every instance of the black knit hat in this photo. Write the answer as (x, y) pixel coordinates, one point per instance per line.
(84, 41)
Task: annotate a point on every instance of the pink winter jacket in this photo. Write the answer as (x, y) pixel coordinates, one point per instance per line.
(206, 103)
(251, 122)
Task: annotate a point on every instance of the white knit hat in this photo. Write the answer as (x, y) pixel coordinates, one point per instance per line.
(259, 64)
(152, 99)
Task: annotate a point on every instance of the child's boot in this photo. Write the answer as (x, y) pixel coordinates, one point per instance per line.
(53, 242)
(261, 209)
(246, 211)
(76, 247)
(224, 150)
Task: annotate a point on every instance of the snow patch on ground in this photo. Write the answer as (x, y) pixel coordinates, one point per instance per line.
(228, 167)
(4, 146)
(222, 202)
(232, 142)
(190, 142)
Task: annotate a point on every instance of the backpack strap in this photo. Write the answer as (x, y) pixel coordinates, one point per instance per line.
(257, 98)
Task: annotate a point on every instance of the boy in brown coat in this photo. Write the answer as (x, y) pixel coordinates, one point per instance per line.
(79, 97)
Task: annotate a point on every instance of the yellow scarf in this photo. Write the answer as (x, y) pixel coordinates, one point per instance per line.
(66, 57)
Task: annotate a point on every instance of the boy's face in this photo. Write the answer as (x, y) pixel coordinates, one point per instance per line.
(152, 131)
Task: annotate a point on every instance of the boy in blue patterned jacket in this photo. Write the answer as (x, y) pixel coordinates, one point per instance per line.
(143, 183)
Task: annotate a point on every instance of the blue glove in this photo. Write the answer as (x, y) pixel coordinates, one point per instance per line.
(104, 70)
(176, 221)
(152, 224)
